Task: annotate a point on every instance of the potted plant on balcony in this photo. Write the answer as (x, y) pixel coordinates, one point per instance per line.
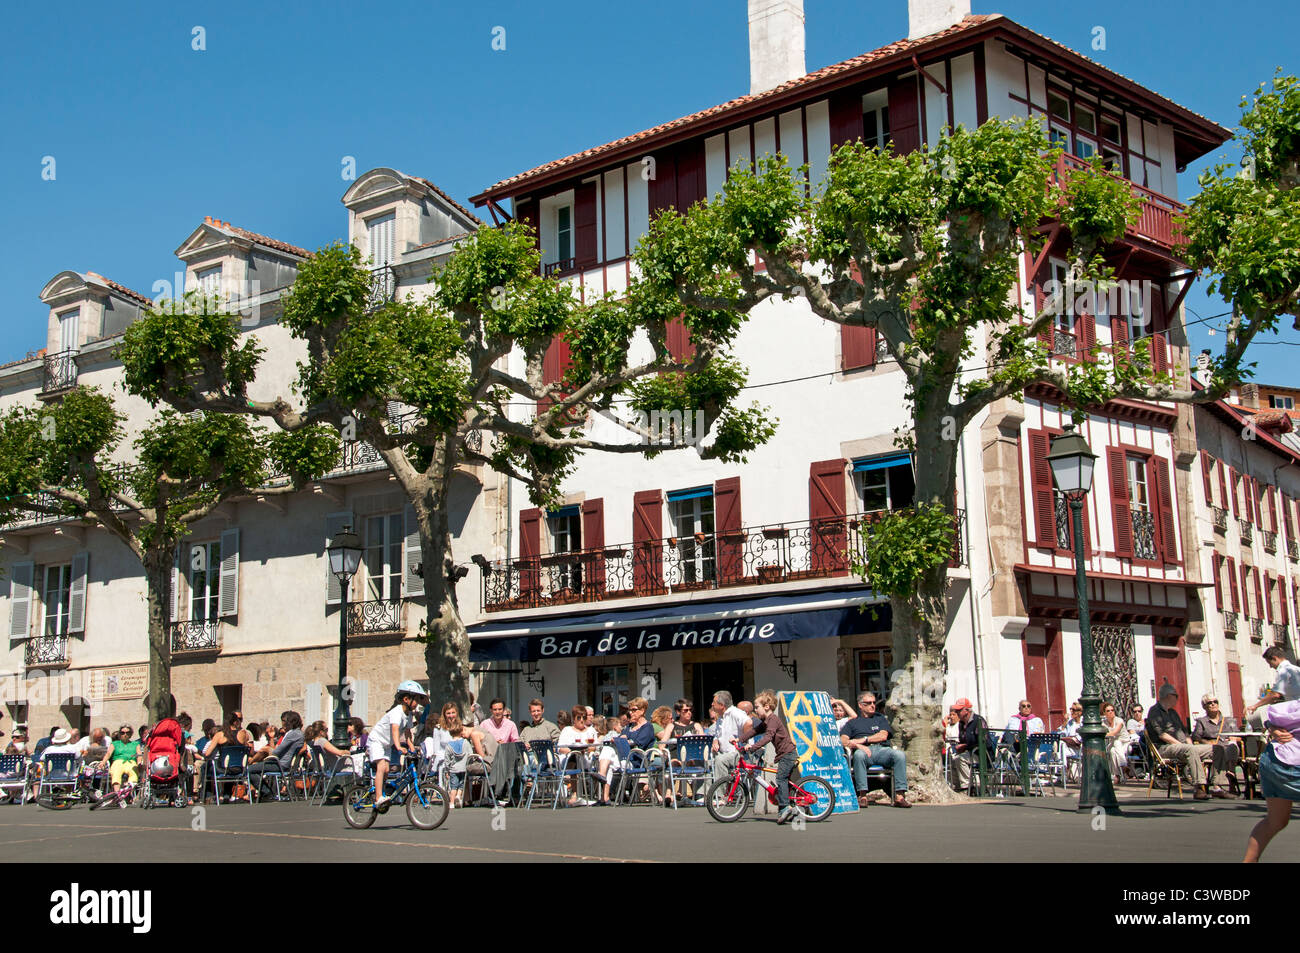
(771, 572)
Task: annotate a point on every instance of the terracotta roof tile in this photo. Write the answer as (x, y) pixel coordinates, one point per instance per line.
(847, 66)
(443, 241)
(449, 200)
(123, 290)
(259, 239)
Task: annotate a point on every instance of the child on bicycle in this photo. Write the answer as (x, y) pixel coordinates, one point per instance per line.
(391, 736)
(768, 723)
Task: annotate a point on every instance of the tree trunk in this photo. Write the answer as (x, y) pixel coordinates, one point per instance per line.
(158, 577)
(920, 618)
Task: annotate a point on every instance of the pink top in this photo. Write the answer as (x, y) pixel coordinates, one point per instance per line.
(504, 734)
(1286, 715)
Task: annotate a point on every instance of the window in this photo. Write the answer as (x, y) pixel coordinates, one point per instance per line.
(609, 689)
(884, 483)
(383, 558)
(1066, 319)
(875, 120)
(381, 239)
(1137, 484)
(70, 330)
(1278, 402)
(691, 513)
(1058, 105)
(1135, 310)
(205, 581)
(209, 281)
(565, 527)
(564, 232)
(57, 598)
(873, 672)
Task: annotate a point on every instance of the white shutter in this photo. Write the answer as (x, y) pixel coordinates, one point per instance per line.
(228, 600)
(77, 593)
(334, 524)
(20, 615)
(412, 584)
(381, 240)
(311, 703)
(176, 583)
(70, 331)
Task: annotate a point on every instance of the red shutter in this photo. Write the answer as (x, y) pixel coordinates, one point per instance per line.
(1206, 468)
(730, 538)
(1087, 331)
(691, 184)
(904, 116)
(555, 364)
(1121, 518)
(1232, 584)
(1165, 510)
(1283, 610)
(647, 541)
(1245, 592)
(846, 117)
(826, 494)
(1046, 337)
(1288, 517)
(1040, 474)
(663, 187)
(1232, 482)
(857, 347)
(1118, 332)
(584, 224)
(678, 338)
(1272, 509)
(1160, 353)
(1259, 598)
(1234, 691)
(528, 216)
(1223, 484)
(530, 550)
(593, 541)
(1256, 499)
(1217, 562)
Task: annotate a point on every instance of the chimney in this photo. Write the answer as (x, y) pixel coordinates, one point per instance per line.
(1203, 367)
(776, 44)
(1250, 395)
(930, 16)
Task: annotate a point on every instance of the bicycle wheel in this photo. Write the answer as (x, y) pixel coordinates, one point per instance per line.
(55, 801)
(359, 806)
(103, 800)
(814, 797)
(724, 806)
(426, 806)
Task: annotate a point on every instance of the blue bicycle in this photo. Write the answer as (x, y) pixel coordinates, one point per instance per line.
(426, 802)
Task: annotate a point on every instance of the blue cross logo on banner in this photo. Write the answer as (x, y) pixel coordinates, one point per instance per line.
(811, 723)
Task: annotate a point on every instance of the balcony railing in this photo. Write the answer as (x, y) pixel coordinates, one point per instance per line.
(375, 617)
(1270, 541)
(1144, 534)
(45, 650)
(1064, 344)
(1247, 530)
(383, 287)
(1156, 221)
(356, 456)
(753, 555)
(559, 267)
(60, 372)
(1279, 633)
(1293, 550)
(1257, 630)
(120, 472)
(200, 635)
(1229, 623)
(1220, 519)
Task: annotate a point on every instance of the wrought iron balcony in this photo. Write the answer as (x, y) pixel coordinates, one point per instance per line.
(1064, 344)
(1247, 530)
(60, 372)
(201, 635)
(754, 555)
(1293, 550)
(1220, 519)
(356, 456)
(1279, 633)
(1270, 541)
(1144, 534)
(383, 287)
(46, 650)
(376, 617)
(1257, 630)
(1229, 623)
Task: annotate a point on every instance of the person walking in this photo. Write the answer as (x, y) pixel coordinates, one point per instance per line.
(1279, 776)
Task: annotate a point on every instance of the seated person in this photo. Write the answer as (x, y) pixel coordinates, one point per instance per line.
(122, 758)
(1227, 754)
(866, 742)
(578, 734)
(1070, 736)
(640, 734)
(1031, 723)
(1165, 730)
(282, 755)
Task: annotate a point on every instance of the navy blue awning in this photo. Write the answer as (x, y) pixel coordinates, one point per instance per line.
(813, 615)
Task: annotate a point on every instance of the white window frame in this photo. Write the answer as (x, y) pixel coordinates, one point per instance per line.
(688, 517)
(1137, 472)
(208, 594)
(372, 225)
(877, 104)
(393, 565)
(61, 604)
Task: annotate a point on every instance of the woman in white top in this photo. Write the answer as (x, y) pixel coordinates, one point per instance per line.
(580, 734)
(1117, 741)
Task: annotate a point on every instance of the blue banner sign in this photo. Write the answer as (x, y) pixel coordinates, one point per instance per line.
(811, 724)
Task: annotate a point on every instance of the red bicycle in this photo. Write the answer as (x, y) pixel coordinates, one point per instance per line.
(729, 798)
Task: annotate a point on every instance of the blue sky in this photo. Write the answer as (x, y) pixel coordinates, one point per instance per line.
(149, 135)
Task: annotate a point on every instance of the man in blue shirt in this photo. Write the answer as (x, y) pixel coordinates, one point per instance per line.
(866, 741)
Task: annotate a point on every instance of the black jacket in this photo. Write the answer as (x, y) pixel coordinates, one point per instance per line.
(969, 734)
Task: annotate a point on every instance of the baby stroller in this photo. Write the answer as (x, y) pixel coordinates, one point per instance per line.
(163, 783)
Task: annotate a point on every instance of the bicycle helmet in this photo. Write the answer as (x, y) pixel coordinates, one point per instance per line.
(412, 687)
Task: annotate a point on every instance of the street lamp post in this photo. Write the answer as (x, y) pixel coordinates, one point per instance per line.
(1072, 460)
(345, 556)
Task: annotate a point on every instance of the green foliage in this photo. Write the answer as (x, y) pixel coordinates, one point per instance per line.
(903, 546)
(1272, 124)
(1098, 206)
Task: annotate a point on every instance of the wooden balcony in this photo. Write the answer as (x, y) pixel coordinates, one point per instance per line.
(1157, 222)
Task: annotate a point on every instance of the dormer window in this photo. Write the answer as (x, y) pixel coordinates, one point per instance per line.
(209, 281)
(70, 330)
